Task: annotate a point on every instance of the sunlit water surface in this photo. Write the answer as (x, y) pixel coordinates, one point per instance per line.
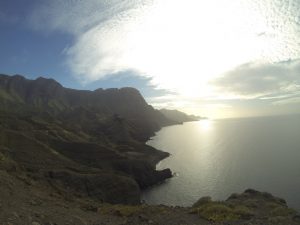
(217, 158)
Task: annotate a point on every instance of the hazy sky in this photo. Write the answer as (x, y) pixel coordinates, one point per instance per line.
(216, 58)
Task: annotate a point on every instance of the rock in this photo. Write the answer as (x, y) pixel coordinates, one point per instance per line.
(15, 215)
(297, 217)
(164, 174)
(107, 187)
(143, 218)
(35, 223)
(143, 172)
(35, 202)
(91, 208)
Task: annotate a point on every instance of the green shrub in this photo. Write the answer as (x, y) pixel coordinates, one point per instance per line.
(272, 205)
(282, 211)
(2, 157)
(218, 211)
(243, 212)
(202, 201)
(252, 203)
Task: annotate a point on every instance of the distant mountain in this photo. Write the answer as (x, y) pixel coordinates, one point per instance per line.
(178, 116)
(90, 142)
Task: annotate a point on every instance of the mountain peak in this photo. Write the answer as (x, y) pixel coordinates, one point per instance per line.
(45, 81)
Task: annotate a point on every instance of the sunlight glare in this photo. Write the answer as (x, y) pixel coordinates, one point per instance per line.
(183, 46)
(206, 125)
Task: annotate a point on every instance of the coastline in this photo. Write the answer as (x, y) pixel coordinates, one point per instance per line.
(161, 155)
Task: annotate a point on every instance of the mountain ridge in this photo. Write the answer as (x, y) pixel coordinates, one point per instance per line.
(179, 116)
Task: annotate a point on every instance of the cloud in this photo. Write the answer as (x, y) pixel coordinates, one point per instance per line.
(287, 101)
(180, 45)
(184, 47)
(77, 16)
(254, 80)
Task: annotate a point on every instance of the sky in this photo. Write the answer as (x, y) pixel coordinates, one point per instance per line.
(217, 58)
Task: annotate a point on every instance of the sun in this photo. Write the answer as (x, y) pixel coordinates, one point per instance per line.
(182, 46)
(206, 124)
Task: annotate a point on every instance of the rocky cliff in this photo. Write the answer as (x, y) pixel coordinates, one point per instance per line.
(178, 116)
(88, 143)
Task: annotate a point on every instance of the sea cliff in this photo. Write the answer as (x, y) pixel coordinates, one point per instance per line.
(89, 143)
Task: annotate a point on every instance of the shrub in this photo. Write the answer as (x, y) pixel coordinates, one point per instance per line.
(203, 201)
(217, 212)
(243, 212)
(282, 211)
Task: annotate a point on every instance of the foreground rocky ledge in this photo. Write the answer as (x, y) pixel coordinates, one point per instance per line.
(24, 200)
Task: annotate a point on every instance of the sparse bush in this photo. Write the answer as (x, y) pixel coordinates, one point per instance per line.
(202, 201)
(272, 205)
(2, 157)
(243, 211)
(217, 212)
(252, 203)
(282, 211)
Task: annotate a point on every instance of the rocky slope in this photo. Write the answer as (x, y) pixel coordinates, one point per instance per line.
(27, 201)
(90, 143)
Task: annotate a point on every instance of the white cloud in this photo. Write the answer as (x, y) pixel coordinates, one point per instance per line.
(181, 45)
(76, 16)
(287, 101)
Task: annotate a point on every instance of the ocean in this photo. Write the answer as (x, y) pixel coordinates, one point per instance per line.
(219, 157)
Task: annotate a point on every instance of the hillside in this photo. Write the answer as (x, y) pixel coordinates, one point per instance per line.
(178, 116)
(87, 142)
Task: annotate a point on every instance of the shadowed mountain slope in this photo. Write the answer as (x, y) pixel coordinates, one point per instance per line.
(178, 116)
(89, 142)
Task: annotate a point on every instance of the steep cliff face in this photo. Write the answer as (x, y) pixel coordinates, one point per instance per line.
(91, 142)
(178, 116)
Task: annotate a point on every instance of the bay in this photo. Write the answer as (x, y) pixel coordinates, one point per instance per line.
(217, 158)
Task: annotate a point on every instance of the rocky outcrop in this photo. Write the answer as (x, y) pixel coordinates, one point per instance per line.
(101, 186)
(178, 116)
(249, 207)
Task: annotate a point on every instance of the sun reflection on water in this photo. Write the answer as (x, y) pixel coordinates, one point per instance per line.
(206, 124)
